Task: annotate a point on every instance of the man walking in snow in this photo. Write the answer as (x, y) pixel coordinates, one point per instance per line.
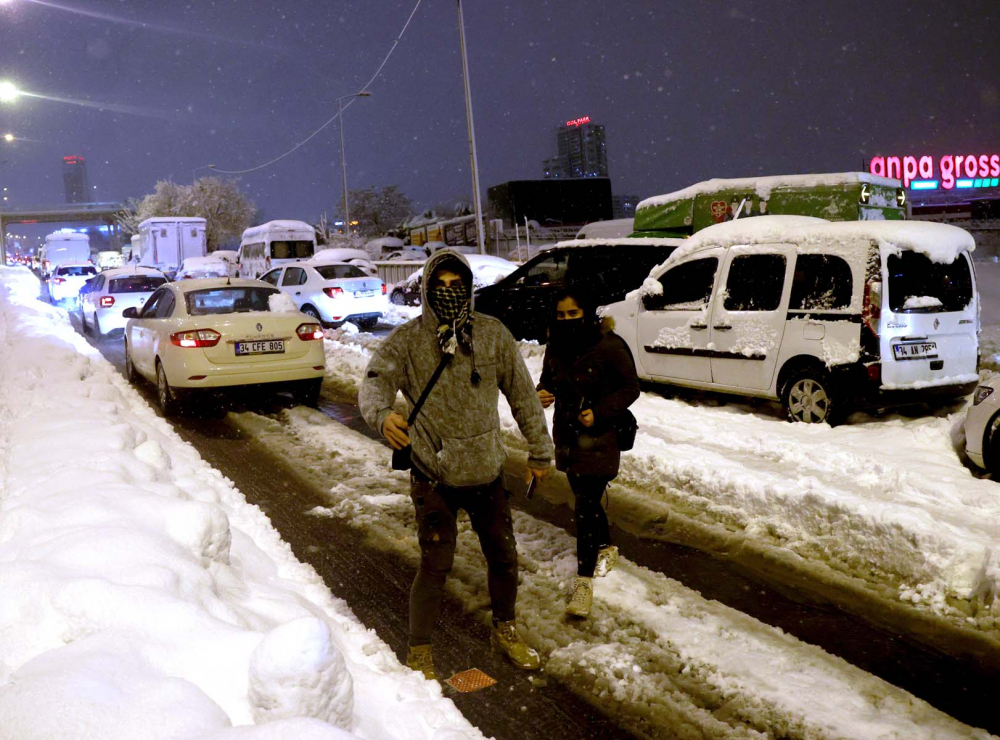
(457, 453)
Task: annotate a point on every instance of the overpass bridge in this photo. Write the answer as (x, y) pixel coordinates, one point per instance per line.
(99, 213)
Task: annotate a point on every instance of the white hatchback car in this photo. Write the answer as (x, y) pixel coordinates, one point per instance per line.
(332, 292)
(213, 333)
(110, 293)
(982, 424)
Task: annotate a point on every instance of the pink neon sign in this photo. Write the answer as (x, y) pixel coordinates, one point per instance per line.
(949, 167)
(578, 121)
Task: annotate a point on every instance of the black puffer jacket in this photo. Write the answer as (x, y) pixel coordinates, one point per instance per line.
(603, 378)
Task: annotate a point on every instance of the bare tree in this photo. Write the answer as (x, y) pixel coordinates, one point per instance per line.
(379, 210)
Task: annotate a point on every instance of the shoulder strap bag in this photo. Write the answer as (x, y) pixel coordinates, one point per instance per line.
(402, 459)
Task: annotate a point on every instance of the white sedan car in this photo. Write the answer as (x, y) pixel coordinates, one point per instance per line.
(213, 333)
(332, 292)
(110, 293)
(982, 424)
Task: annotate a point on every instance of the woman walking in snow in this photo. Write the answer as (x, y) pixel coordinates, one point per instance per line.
(589, 374)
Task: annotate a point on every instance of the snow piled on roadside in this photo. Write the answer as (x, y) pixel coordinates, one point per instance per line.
(886, 502)
(659, 658)
(142, 596)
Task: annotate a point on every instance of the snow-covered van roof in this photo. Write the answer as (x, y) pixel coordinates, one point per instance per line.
(939, 242)
(280, 225)
(172, 220)
(67, 236)
(762, 186)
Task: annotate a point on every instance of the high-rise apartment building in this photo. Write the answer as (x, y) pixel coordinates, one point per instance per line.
(582, 151)
(75, 179)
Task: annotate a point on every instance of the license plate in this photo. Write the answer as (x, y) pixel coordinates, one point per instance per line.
(267, 347)
(364, 294)
(915, 351)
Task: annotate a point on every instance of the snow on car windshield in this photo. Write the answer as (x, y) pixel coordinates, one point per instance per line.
(941, 287)
(136, 284)
(228, 300)
(336, 272)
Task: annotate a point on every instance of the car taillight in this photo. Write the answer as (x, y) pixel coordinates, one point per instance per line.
(334, 292)
(871, 310)
(196, 338)
(383, 288)
(58, 280)
(309, 332)
(107, 301)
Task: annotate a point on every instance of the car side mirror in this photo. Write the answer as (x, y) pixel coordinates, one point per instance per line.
(130, 313)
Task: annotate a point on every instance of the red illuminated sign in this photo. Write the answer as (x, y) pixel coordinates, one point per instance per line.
(578, 121)
(73, 159)
(950, 167)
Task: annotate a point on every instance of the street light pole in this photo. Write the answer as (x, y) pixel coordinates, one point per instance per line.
(343, 158)
(472, 134)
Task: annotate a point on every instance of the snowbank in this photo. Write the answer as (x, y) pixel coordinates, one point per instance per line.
(142, 596)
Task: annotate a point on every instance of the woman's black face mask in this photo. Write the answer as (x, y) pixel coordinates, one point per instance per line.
(570, 333)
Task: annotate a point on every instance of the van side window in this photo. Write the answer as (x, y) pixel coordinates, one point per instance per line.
(755, 282)
(687, 287)
(822, 282)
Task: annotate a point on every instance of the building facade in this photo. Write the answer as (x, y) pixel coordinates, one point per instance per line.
(582, 151)
(75, 179)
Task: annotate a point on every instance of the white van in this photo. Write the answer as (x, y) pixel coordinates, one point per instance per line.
(166, 241)
(820, 315)
(63, 247)
(273, 244)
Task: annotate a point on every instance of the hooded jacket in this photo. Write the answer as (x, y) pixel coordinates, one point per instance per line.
(456, 435)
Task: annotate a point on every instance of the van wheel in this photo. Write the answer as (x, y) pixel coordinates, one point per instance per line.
(164, 393)
(808, 397)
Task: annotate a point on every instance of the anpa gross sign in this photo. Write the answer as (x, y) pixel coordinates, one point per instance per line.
(962, 171)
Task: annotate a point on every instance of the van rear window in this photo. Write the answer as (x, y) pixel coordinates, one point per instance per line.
(291, 250)
(228, 300)
(917, 285)
(136, 284)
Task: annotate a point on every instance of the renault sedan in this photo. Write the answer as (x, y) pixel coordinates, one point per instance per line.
(220, 333)
(332, 293)
(107, 295)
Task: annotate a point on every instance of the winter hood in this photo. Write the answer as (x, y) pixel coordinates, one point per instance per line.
(455, 261)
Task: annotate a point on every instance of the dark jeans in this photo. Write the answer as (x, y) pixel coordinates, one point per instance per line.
(592, 531)
(437, 508)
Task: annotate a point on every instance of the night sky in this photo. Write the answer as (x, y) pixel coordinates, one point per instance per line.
(687, 90)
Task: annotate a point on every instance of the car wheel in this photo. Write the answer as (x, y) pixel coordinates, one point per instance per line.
(306, 392)
(367, 324)
(130, 374)
(97, 327)
(808, 397)
(991, 448)
(164, 393)
(83, 322)
(312, 312)
(397, 298)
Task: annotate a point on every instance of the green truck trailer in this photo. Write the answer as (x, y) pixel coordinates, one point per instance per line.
(842, 196)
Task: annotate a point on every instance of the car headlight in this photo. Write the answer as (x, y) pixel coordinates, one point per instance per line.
(982, 393)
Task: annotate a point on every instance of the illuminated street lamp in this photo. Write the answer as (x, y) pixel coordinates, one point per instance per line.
(8, 92)
(8, 138)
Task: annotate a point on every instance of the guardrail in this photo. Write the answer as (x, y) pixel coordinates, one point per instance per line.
(396, 271)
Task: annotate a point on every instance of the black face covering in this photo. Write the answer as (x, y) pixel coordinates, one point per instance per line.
(572, 335)
(448, 302)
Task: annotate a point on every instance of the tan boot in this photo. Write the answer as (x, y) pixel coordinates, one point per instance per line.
(583, 596)
(607, 559)
(420, 658)
(505, 639)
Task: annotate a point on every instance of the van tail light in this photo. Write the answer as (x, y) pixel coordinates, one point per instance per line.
(196, 338)
(383, 288)
(875, 372)
(309, 332)
(871, 310)
(107, 301)
(334, 292)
